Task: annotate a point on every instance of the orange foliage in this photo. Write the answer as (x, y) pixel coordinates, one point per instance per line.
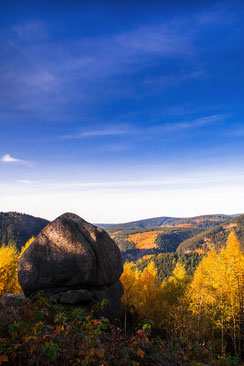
(200, 251)
(204, 220)
(229, 226)
(144, 240)
(113, 235)
(197, 221)
(180, 225)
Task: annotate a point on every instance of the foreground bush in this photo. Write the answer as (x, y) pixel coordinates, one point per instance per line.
(40, 332)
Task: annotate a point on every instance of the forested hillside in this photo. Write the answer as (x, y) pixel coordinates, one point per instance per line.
(204, 221)
(215, 237)
(166, 262)
(166, 239)
(135, 243)
(17, 228)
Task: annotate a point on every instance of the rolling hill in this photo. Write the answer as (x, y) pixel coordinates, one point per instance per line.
(135, 243)
(145, 223)
(136, 239)
(214, 237)
(202, 221)
(17, 228)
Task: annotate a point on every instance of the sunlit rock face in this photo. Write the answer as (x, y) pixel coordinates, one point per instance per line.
(74, 261)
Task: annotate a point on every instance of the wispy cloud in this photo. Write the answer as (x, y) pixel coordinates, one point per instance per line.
(147, 131)
(41, 74)
(8, 159)
(27, 181)
(198, 122)
(194, 179)
(115, 130)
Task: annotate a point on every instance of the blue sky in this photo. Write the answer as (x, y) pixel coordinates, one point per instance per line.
(121, 110)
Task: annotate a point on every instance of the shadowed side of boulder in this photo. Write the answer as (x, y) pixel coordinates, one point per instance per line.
(12, 299)
(74, 261)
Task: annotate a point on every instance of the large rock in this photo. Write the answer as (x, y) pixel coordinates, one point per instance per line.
(70, 256)
(12, 299)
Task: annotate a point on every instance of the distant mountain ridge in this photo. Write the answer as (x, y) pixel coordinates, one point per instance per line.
(144, 223)
(201, 221)
(166, 234)
(17, 228)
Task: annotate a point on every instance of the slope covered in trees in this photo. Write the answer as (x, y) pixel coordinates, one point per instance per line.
(166, 262)
(204, 221)
(215, 237)
(17, 228)
(135, 243)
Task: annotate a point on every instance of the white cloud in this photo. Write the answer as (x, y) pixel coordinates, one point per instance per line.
(8, 159)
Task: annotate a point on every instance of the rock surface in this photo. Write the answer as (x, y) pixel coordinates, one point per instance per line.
(74, 296)
(74, 261)
(12, 299)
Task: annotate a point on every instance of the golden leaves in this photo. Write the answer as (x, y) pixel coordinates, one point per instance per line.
(145, 240)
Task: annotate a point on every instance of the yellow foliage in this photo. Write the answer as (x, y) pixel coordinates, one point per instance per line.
(128, 278)
(207, 308)
(146, 257)
(144, 240)
(142, 291)
(200, 251)
(146, 295)
(27, 244)
(8, 270)
(219, 278)
(9, 257)
(217, 290)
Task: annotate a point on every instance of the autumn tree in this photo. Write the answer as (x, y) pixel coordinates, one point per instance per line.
(8, 270)
(150, 298)
(27, 244)
(216, 295)
(142, 291)
(9, 257)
